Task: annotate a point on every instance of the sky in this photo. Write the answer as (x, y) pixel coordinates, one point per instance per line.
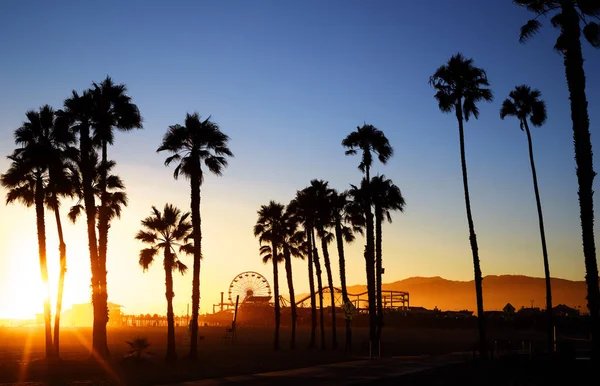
(287, 81)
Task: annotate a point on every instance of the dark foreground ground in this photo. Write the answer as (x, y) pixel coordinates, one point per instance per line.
(505, 372)
(21, 352)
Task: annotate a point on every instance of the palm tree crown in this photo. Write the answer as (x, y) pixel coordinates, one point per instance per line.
(585, 10)
(386, 197)
(369, 139)
(113, 108)
(525, 103)
(269, 227)
(197, 140)
(168, 230)
(459, 86)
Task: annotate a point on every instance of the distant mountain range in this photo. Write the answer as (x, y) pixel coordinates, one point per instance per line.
(430, 292)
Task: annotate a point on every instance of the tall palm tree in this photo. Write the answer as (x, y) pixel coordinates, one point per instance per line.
(305, 206)
(368, 139)
(525, 104)
(169, 231)
(302, 209)
(60, 184)
(459, 86)
(40, 149)
(343, 233)
(196, 142)
(323, 195)
(78, 111)
(291, 243)
(386, 198)
(269, 229)
(112, 109)
(569, 16)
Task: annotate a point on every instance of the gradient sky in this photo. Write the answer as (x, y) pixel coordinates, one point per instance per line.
(287, 81)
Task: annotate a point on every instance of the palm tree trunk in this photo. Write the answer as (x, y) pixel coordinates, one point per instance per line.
(342, 262)
(62, 251)
(197, 234)
(370, 268)
(472, 237)
(378, 269)
(276, 293)
(319, 288)
(290, 280)
(550, 322)
(331, 291)
(103, 242)
(573, 60)
(311, 284)
(99, 344)
(41, 234)
(171, 353)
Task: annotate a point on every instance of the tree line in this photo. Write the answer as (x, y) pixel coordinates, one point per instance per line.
(63, 154)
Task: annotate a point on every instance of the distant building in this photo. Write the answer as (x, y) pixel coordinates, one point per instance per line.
(563, 310)
(464, 314)
(509, 311)
(528, 312)
(422, 311)
(82, 315)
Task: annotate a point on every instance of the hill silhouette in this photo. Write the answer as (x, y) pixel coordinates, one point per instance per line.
(430, 292)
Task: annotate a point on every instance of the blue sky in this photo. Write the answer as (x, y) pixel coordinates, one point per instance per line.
(287, 81)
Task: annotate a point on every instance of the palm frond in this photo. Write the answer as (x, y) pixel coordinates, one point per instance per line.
(528, 30)
(146, 237)
(591, 32)
(74, 212)
(147, 257)
(179, 266)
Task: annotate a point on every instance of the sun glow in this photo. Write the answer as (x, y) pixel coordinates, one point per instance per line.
(22, 292)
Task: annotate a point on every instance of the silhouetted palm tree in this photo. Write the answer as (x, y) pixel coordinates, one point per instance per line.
(169, 231)
(368, 139)
(79, 113)
(343, 233)
(459, 86)
(41, 143)
(525, 104)
(291, 245)
(386, 198)
(196, 142)
(114, 186)
(569, 15)
(112, 109)
(324, 220)
(269, 228)
(60, 184)
(302, 208)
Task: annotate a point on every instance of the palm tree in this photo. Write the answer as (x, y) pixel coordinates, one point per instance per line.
(569, 15)
(343, 233)
(386, 198)
(459, 86)
(368, 139)
(323, 195)
(196, 142)
(525, 104)
(167, 231)
(78, 112)
(292, 242)
(302, 208)
(27, 180)
(60, 184)
(269, 228)
(112, 108)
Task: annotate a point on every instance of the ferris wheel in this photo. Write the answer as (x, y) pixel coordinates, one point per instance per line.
(249, 285)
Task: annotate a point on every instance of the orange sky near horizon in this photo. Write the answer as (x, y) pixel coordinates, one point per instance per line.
(412, 247)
